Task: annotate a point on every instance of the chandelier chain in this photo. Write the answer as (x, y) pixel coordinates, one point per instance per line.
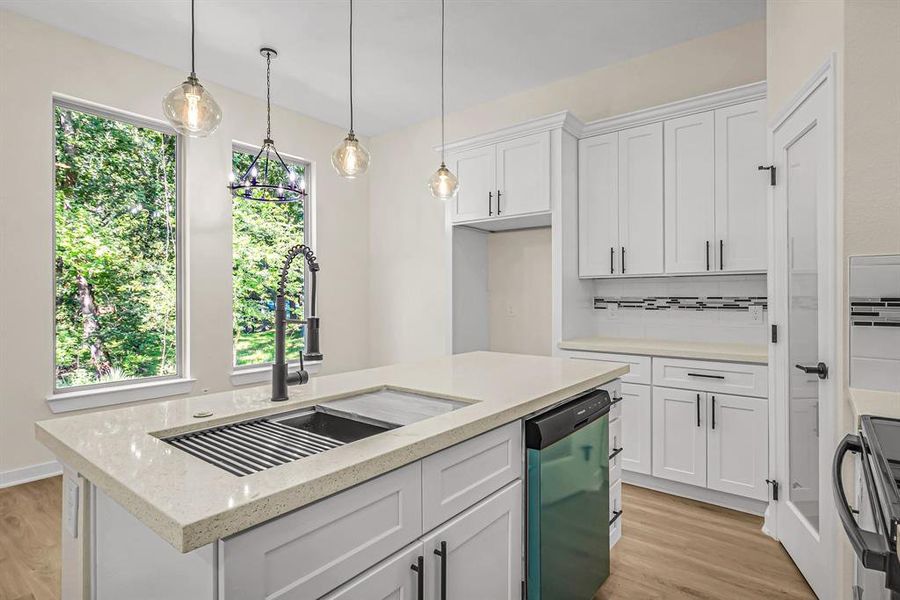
(351, 66)
(442, 82)
(268, 95)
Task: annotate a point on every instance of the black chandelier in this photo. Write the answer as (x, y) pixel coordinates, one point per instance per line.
(260, 182)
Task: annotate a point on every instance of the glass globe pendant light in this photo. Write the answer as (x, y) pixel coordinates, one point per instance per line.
(443, 184)
(189, 107)
(268, 178)
(350, 158)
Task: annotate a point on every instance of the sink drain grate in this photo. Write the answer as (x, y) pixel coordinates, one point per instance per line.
(252, 446)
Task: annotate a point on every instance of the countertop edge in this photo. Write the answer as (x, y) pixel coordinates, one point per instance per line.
(666, 353)
(186, 537)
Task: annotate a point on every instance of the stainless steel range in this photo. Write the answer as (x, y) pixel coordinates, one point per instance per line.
(872, 526)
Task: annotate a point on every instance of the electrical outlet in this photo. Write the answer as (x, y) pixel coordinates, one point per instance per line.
(756, 313)
(510, 311)
(612, 311)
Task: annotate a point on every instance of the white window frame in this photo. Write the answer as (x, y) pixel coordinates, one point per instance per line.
(144, 388)
(262, 372)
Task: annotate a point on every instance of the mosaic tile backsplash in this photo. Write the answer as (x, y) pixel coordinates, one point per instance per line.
(875, 322)
(695, 303)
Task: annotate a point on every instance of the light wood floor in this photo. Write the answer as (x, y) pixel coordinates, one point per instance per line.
(671, 548)
(677, 548)
(30, 517)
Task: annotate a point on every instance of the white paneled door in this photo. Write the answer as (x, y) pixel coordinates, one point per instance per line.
(476, 170)
(598, 205)
(690, 191)
(803, 289)
(679, 435)
(738, 445)
(641, 200)
(523, 176)
(741, 243)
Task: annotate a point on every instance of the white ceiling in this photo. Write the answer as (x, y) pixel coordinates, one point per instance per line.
(494, 47)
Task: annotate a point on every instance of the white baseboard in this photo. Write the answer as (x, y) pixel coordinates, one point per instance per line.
(676, 488)
(30, 473)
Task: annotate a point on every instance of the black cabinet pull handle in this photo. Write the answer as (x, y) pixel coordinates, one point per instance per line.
(705, 376)
(419, 568)
(616, 515)
(615, 400)
(498, 202)
(721, 255)
(615, 453)
(443, 554)
(612, 258)
(820, 369)
(698, 410)
(707, 255)
(713, 412)
(623, 260)
(490, 206)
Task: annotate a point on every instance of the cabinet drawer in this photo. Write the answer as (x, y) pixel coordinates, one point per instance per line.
(458, 477)
(615, 513)
(709, 376)
(311, 551)
(639, 366)
(615, 451)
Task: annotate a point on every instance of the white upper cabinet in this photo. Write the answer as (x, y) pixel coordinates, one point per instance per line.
(741, 187)
(690, 191)
(681, 195)
(476, 170)
(504, 179)
(598, 205)
(641, 200)
(523, 175)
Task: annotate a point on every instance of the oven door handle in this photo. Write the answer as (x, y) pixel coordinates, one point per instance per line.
(870, 547)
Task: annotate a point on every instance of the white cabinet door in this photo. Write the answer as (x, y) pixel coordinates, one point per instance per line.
(311, 551)
(689, 192)
(391, 579)
(641, 200)
(477, 196)
(738, 445)
(741, 187)
(523, 175)
(637, 422)
(458, 477)
(679, 435)
(598, 205)
(483, 550)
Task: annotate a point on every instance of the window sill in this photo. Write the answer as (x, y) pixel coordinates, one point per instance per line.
(119, 394)
(263, 373)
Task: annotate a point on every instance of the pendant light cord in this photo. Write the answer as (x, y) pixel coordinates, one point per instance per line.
(442, 82)
(268, 95)
(193, 72)
(351, 66)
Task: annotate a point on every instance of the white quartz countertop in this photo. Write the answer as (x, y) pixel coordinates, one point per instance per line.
(874, 402)
(190, 503)
(747, 353)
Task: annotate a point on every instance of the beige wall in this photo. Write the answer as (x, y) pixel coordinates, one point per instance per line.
(519, 291)
(37, 61)
(410, 284)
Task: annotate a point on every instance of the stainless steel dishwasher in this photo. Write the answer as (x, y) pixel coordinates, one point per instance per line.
(567, 482)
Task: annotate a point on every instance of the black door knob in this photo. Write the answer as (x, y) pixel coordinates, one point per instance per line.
(820, 369)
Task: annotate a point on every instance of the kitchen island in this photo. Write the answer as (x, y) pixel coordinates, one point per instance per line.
(189, 529)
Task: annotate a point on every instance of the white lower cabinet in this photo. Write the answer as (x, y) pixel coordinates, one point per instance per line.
(479, 553)
(679, 435)
(738, 445)
(636, 422)
(392, 579)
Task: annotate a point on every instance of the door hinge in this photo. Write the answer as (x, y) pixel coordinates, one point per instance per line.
(771, 170)
(774, 485)
(774, 334)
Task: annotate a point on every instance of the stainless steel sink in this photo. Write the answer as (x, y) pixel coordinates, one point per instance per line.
(259, 444)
